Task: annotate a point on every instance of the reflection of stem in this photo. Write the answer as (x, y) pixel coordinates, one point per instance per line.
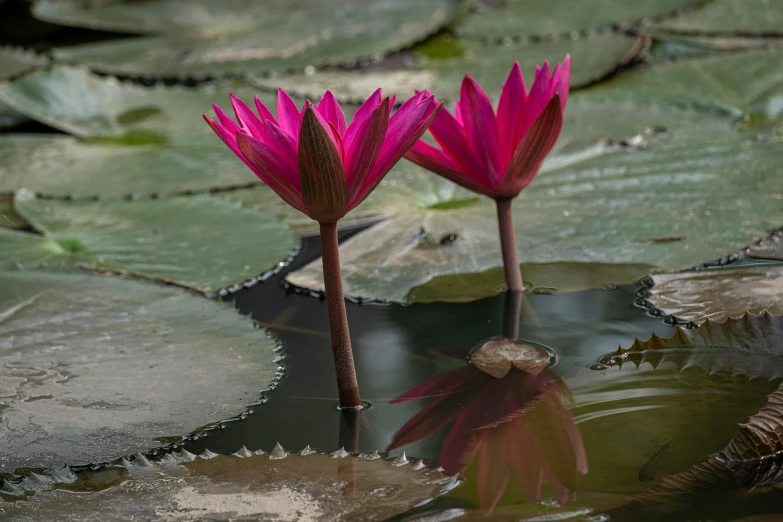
(347, 386)
(508, 245)
(512, 310)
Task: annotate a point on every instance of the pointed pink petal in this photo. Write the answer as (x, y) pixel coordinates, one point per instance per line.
(481, 128)
(562, 81)
(435, 160)
(225, 121)
(338, 141)
(332, 112)
(360, 159)
(450, 135)
(228, 137)
(266, 114)
(288, 116)
(537, 99)
(245, 116)
(277, 173)
(458, 114)
(362, 113)
(533, 149)
(510, 110)
(284, 146)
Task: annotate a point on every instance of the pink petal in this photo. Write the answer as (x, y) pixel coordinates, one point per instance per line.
(336, 139)
(228, 137)
(537, 99)
(332, 112)
(360, 159)
(288, 116)
(265, 113)
(510, 110)
(278, 172)
(562, 80)
(284, 146)
(245, 116)
(481, 128)
(437, 161)
(450, 135)
(225, 121)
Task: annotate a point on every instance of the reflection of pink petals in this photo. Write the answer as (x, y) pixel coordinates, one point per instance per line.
(480, 149)
(367, 148)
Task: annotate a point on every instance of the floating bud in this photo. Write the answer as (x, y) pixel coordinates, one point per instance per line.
(277, 452)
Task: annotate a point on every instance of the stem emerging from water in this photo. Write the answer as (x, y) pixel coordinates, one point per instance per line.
(508, 245)
(347, 386)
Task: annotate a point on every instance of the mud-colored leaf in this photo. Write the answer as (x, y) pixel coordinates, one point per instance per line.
(295, 488)
(667, 197)
(211, 37)
(93, 367)
(183, 240)
(747, 17)
(593, 58)
(497, 355)
(719, 293)
(526, 18)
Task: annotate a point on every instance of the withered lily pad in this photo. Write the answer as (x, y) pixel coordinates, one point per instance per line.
(93, 367)
(748, 17)
(748, 346)
(592, 205)
(525, 18)
(592, 58)
(719, 293)
(497, 355)
(295, 488)
(183, 240)
(210, 37)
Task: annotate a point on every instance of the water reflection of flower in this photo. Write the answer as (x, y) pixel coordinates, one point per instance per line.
(512, 421)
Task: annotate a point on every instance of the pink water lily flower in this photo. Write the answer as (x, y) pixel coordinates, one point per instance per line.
(498, 154)
(323, 179)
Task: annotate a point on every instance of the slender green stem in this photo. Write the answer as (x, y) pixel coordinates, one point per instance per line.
(508, 245)
(347, 386)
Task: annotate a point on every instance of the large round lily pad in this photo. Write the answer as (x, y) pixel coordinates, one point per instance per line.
(675, 203)
(94, 367)
(525, 18)
(216, 37)
(593, 58)
(298, 487)
(747, 17)
(201, 242)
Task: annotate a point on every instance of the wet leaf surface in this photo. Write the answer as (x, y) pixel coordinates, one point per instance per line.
(92, 368)
(182, 240)
(750, 17)
(593, 58)
(215, 37)
(719, 293)
(295, 488)
(592, 204)
(525, 18)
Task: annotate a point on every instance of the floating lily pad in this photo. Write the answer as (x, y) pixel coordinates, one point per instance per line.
(768, 248)
(295, 488)
(747, 17)
(14, 62)
(93, 367)
(667, 45)
(525, 18)
(747, 346)
(745, 85)
(214, 37)
(719, 293)
(593, 58)
(10, 118)
(672, 198)
(200, 242)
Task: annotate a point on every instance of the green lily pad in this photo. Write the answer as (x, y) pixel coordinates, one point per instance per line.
(678, 46)
(526, 18)
(590, 204)
(214, 37)
(182, 240)
(94, 367)
(10, 118)
(592, 58)
(768, 248)
(746, 17)
(8, 216)
(718, 294)
(14, 62)
(747, 86)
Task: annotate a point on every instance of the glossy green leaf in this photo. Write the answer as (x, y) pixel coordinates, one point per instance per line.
(747, 17)
(591, 203)
(200, 242)
(94, 367)
(212, 37)
(592, 59)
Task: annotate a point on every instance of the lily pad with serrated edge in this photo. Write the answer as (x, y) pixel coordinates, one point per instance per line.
(526, 18)
(241, 38)
(14, 62)
(729, 17)
(296, 487)
(95, 367)
(592, 59)
(674, 204)
(200, 242)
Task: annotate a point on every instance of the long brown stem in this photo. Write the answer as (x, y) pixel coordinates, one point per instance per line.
(508, 245)
(512, 310)
(347, 386)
